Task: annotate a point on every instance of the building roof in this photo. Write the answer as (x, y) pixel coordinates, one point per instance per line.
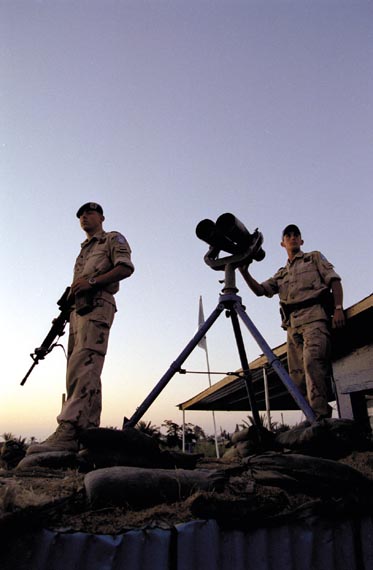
(230, 394)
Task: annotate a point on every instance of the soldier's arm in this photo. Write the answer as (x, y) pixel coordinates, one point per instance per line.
(338, 316)
(118, 273)
(256, 287)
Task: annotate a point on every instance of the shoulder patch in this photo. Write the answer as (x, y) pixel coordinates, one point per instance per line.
(121, 239)
(117, 236)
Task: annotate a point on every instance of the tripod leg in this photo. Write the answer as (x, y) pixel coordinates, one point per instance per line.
(175, 367)
(276, 364)
(245, 368)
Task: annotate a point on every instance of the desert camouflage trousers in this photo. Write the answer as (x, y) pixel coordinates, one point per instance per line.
(309, 359)
(87, 346)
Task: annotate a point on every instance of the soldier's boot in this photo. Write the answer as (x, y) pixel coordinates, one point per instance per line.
(65, 438)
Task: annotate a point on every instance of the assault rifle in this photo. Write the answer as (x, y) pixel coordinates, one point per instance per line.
(57, 330)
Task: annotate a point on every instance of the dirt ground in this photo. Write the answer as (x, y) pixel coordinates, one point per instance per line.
(55, 499)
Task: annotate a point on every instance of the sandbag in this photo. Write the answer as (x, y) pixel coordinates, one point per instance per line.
(311, 475)
(12, 451)
(240, 435)
(100, 458)
(253, 439)
(140, 488)
(236, 512)
(328, 438)
(106, 447)
(129, 440)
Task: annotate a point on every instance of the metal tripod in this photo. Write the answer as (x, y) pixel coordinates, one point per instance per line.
(231, 302)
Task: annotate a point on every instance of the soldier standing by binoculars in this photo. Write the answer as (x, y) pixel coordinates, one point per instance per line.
(306, 285)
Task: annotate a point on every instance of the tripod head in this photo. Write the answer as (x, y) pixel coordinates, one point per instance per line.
(230, 235)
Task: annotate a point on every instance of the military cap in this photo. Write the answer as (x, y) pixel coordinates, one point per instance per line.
(291, 228)
(89, 206)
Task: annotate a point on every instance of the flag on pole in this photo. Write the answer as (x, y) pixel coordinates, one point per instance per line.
(203, 344)
(201, 319)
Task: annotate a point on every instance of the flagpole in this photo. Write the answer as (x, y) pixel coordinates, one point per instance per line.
(183, 441)
(266, 395)
(213, 411)
(203, 344)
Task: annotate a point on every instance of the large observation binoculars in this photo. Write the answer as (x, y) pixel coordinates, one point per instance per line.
(230, 235)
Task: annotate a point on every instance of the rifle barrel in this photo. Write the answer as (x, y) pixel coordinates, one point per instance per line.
(56, 330)
(36, 361)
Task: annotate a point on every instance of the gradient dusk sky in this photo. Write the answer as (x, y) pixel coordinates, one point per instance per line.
(168, 112)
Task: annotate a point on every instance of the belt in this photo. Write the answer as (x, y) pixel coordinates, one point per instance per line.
(303, 304)
(291, 307)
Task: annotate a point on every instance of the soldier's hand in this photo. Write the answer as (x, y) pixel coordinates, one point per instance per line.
(80, 285)
(339, 319)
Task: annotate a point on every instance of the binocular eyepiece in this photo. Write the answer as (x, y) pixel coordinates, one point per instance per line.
(230, 235)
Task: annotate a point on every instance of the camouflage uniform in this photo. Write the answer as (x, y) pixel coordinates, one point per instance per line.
(89, 333)
(299, 285)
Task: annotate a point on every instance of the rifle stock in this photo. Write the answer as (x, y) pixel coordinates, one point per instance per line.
(57, 330)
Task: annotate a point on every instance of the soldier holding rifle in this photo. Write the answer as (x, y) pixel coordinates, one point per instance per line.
(104, 260)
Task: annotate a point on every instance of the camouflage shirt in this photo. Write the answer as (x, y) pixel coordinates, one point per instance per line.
(304, 278)
(101, 253)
